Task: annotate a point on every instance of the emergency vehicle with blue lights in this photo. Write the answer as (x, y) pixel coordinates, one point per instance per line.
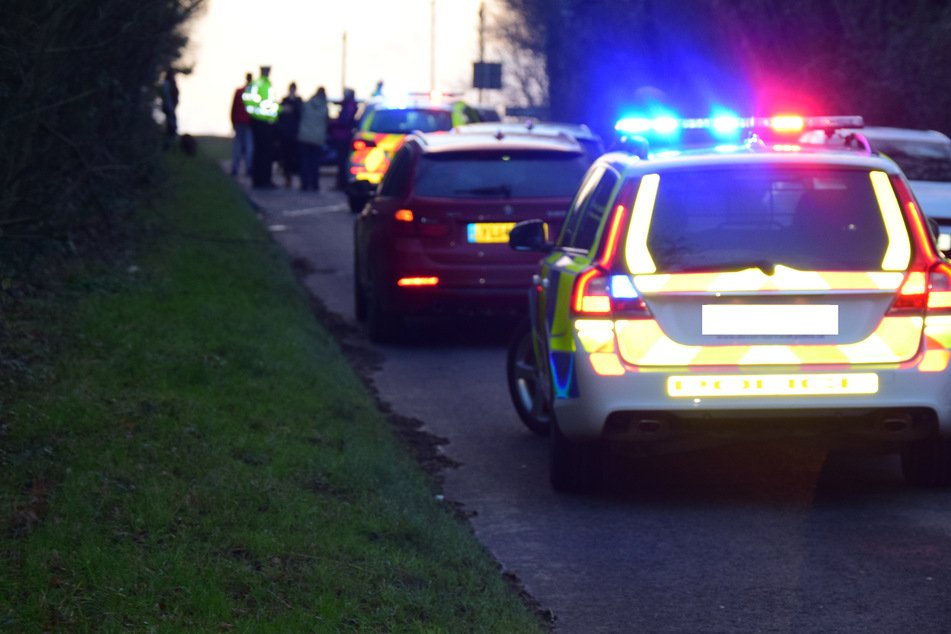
(383, 126)
(745, 290)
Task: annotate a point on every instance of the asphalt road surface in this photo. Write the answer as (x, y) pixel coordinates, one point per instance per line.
(753, 538)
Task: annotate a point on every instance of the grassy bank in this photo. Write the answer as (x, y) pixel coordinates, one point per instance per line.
(182, 446)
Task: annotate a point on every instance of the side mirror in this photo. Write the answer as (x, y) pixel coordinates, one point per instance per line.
(530, 235)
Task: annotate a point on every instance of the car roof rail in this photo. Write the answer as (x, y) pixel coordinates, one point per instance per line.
(755, 142)
(421, 136)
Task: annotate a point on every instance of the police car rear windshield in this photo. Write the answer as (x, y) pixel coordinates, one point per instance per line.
(729, 219)
(404, 121)
(526, 174)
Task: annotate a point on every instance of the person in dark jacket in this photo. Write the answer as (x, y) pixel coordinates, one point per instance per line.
(288, 120)
(341, 135)
(243, 140)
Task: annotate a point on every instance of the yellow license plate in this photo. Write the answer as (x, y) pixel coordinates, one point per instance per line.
(773, 385)
(488, 232)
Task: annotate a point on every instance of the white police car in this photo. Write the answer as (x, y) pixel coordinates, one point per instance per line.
(758, 290)
(923, 155)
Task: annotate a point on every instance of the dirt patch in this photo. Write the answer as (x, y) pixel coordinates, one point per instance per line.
(424, 446)
(365, 361)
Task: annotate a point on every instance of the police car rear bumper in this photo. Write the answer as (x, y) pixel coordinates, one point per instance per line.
(636, 407)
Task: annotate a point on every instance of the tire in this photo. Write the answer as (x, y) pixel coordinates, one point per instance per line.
(574, 466)
(927, 463)
(383, 325)
(526, 381)
(360, 308)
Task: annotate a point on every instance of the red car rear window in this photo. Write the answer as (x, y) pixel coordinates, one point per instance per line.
(500, 174)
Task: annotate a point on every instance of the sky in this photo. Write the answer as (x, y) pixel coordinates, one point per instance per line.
(303, 42)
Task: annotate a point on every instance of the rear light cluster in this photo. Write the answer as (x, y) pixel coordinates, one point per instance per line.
(598, 294)
(927, 286)
(925, 291)
(407, 223)
(362, 144)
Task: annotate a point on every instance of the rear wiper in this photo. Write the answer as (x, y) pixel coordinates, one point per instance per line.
(767, 267)
(499, 190)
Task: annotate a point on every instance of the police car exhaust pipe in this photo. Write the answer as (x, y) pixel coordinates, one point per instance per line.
(649, 425)
(896, 425)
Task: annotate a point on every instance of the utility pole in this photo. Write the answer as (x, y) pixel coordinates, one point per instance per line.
(343, 67)
(432, 47)
(481, 40)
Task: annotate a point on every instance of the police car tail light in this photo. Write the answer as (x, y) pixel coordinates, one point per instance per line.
(590, 295)
(598, 294)
(362, 144)
(925, 291)
(913, 294)
(939, 291)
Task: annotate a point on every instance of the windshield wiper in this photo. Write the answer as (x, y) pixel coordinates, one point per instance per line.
(505, 191)
(730, 266)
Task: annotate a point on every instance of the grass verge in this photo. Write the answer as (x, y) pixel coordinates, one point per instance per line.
(183, 446)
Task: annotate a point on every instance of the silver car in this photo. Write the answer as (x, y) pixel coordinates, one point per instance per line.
(924, 156)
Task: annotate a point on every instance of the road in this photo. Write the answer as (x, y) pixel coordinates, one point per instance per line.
(757, 538)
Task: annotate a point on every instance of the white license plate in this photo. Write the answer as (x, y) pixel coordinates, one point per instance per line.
(773, 384)
(770, 319)
(488, 232)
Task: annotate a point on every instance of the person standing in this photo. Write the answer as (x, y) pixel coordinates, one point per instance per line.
(259, 101)
(312, 137)
(341, 135)
(243, 148)
(288, 120)
(169, 104)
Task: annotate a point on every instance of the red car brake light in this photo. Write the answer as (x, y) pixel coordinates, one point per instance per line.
(409, 224)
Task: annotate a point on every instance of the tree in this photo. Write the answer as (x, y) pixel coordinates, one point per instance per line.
(887, 61)
(523, 62)
(77, 86)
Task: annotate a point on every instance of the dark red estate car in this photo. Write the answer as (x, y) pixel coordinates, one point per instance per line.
(435, 235)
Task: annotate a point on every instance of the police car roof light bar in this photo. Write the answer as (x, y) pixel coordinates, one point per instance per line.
(784, 123)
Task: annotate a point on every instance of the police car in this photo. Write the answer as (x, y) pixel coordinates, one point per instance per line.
(384, 124)
(752, 290)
